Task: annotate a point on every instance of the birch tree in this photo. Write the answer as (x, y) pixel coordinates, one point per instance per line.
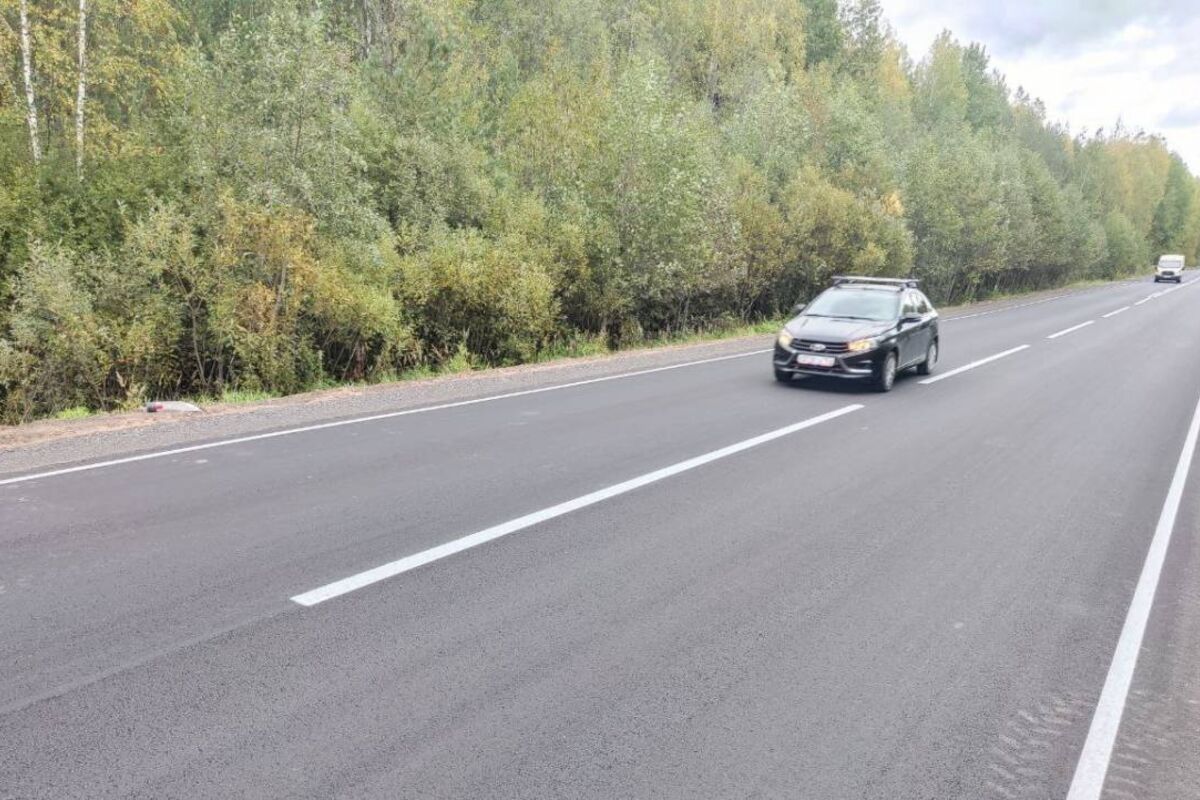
(35, 144)
(81, 89)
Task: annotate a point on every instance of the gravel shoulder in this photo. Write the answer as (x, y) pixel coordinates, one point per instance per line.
(51, 443)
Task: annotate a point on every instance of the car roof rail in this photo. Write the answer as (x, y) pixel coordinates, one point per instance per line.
(899, 283)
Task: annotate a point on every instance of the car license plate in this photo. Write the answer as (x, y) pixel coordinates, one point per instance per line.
(814, 361)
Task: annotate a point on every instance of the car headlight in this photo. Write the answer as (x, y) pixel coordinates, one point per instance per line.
(863, 345)
(785, 339)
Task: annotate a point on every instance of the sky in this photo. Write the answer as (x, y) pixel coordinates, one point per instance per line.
(1092, 62)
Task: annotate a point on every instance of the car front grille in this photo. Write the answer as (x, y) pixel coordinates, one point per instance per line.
(830, 348)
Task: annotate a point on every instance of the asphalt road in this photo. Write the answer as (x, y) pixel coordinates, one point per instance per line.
(690, 582)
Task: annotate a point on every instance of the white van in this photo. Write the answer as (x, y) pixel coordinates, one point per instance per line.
(1170, 268)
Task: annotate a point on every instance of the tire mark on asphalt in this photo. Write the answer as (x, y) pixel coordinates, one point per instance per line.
(1027, 756)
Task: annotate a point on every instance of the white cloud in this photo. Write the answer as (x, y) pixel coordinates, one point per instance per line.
(1091, 63)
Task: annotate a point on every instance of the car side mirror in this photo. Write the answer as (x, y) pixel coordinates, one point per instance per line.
(908, 319)
(798, 308)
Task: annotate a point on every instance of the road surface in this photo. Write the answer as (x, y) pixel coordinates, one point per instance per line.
(688, 582)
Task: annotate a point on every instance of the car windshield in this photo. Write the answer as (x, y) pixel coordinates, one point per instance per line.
(869, 304)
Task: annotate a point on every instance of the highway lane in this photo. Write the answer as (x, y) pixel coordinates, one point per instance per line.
(649, 645)
(161, 549)
(120, 563)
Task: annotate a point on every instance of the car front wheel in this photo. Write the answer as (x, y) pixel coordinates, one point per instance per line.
(885, 375)
(931, 357)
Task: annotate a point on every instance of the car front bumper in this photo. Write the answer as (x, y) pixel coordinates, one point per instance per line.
(1169, 275)
(854, 366)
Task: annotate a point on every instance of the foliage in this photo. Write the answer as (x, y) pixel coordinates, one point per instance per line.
(280, 194)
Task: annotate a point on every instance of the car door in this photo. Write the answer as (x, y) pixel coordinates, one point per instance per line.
(929, 324)
(914, 332)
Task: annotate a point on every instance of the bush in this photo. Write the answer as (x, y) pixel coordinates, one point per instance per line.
(59, 354)
(495, 298)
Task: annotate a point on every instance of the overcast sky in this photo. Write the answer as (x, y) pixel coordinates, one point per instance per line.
(1091, 62)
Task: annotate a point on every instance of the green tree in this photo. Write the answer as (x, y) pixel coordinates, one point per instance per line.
(824, 33)
(1169, 233)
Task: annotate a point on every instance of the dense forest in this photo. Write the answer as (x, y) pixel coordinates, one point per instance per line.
(205, 195)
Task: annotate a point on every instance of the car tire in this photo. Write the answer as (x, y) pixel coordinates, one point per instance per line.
(782, 376)
(885, 373)
(931, 357)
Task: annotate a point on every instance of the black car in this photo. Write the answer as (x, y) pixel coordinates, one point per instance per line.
(864, 328)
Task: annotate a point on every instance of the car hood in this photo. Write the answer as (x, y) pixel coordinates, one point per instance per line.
(835, 329)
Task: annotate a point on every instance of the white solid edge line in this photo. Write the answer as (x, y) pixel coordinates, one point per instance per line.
(394, 568)
(357, 420)
(973, 365)
(1072, 329)
(1121, 310)
(1092, 769)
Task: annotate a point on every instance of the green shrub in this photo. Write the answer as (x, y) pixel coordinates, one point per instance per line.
(495, 298)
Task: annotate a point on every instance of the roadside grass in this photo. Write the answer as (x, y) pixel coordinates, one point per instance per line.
(590, 346)
(240, 396)
(999, 297)
(77, 412)
(579, 346)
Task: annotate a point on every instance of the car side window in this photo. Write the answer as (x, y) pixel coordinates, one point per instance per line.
(923, 304)
(911, 306)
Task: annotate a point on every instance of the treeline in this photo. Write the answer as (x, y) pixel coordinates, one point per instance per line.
(202, 195)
